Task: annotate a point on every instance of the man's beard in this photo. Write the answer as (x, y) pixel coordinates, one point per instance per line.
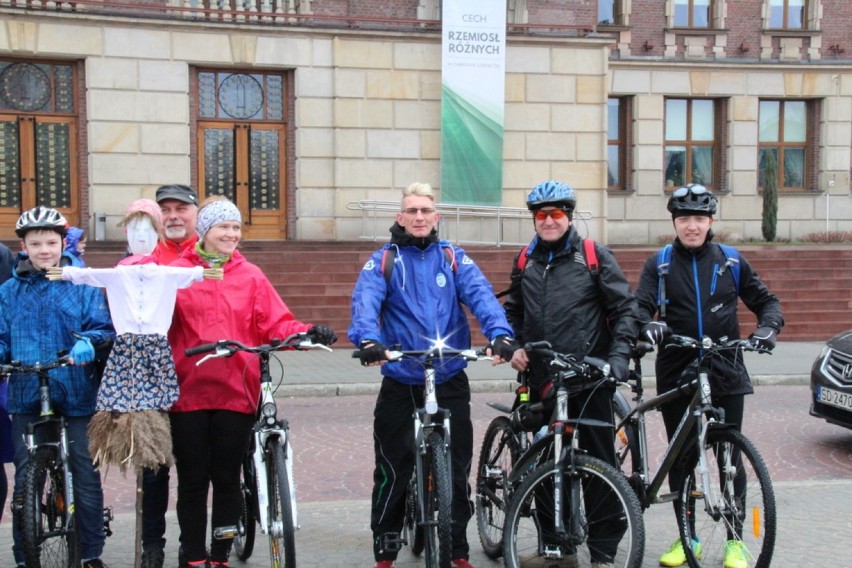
(176, 232)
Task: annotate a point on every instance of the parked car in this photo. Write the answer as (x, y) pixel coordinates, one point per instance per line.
(831, 381)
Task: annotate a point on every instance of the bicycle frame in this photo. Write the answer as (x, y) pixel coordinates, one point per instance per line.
(699, 412)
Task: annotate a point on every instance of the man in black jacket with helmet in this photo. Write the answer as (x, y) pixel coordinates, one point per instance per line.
(701, 283)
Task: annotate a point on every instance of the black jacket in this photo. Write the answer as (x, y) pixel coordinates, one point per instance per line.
(706, 311)
(557, 299)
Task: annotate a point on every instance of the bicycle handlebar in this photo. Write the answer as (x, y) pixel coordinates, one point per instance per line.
(568, 361)
(17, 367)
(711, 346)
(227, 347)
(432, 354)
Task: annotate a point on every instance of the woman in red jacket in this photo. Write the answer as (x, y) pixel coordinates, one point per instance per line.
(212, 419)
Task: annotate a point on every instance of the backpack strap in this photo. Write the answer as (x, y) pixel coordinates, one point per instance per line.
(389, 260)
(664, 259)
(732, 261)
(591, 257)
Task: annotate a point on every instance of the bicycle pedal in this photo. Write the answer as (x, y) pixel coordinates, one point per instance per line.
(391, 542)
(224, 533)
(667, 497)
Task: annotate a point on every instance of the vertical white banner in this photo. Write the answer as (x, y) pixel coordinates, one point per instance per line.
(472, 101)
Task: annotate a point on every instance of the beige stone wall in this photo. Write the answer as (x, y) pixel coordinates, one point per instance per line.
(367, 118)
(643, 215)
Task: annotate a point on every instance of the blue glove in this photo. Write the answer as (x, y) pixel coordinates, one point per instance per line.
(82, 352)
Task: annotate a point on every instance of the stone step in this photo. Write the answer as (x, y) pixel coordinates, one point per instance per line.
(316, 279)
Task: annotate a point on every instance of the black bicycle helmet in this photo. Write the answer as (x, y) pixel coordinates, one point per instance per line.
(41, 218)
(552, 193)
(692, 199)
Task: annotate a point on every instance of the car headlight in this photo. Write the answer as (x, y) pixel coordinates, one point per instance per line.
(825, 351)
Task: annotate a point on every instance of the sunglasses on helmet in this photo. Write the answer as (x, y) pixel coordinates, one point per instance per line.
(694, 190)
(555, 214)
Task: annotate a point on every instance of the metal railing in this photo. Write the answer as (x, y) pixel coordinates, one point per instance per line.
(461, 224)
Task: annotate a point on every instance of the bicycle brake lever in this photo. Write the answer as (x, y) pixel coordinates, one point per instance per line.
(219, 352)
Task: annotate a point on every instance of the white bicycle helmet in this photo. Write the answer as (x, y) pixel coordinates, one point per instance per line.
(41, 218)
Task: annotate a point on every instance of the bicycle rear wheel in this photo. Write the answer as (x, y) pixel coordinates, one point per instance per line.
(49, 528)
(739, 508)
(282, 533)
(499, 451)
(436, 486)
(606, 524)
(247, 524)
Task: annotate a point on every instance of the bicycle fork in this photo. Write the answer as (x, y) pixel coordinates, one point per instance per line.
(575, 531)
(34, 439)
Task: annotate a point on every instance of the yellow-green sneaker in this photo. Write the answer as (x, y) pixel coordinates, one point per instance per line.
(735, 554)
(675, 555)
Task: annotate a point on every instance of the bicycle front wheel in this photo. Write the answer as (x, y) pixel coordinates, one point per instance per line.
(602, 523)
(438, 514)
(499, 451)
(282, 533)
(736, 514)
(246, 526)
(49, 528)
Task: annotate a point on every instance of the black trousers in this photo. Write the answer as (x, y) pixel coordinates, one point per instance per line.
(209, 447)
(393, 435)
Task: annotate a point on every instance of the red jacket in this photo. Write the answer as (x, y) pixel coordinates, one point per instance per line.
(168, 251)
(243, 306)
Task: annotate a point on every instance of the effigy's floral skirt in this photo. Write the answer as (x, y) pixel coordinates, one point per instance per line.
(139, 375)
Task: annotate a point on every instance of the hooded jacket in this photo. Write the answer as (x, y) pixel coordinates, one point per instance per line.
(243, 306)
(37, 319)
(702, 300)
(422, 303)
(559, 300)
(72, 239)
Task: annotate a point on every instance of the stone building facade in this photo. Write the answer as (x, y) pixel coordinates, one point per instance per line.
(296, 109)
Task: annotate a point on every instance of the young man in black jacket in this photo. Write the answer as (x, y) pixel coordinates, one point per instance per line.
(708, 309)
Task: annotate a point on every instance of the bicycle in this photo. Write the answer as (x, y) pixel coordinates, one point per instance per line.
(566, 507)
(427, 523)
(49, 532)
(267, 485)
(727, 493)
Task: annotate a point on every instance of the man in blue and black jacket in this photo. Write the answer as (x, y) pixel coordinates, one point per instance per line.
(414, 300)
(693, 290)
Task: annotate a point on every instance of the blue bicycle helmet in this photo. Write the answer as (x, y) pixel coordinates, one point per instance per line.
(692, 199)
(553, 193)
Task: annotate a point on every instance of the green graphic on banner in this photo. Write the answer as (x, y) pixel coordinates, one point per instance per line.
(471, 153)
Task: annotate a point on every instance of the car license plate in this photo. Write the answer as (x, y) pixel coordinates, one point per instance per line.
(834, 398)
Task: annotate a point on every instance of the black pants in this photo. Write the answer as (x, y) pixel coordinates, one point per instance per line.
(209, 447)
(155, 503)
(393, 434)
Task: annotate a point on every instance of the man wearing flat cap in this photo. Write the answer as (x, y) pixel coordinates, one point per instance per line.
(179, 204)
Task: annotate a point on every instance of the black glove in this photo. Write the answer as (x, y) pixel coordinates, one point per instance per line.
(504, 347)
(763, 338)
(618, 368)
(322, 334)
(372, 352)
(654, 332)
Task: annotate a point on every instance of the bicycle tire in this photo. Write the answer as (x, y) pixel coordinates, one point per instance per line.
(247, 523)
(499, 451)
(754, 520)
(524, 539)
(282, 533)
(436, 486)
(50, 537)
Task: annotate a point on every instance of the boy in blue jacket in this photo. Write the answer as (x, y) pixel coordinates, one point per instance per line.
(38, 319)
(419, 301)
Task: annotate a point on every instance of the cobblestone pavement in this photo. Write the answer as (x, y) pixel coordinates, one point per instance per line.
(810, 462)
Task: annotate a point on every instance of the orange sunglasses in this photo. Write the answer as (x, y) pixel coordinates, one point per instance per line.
(555, 214)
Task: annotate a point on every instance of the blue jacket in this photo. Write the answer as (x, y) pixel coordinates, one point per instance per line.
(423, 300)
(37, 318)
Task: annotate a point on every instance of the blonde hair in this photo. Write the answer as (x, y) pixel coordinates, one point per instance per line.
(419, 188)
